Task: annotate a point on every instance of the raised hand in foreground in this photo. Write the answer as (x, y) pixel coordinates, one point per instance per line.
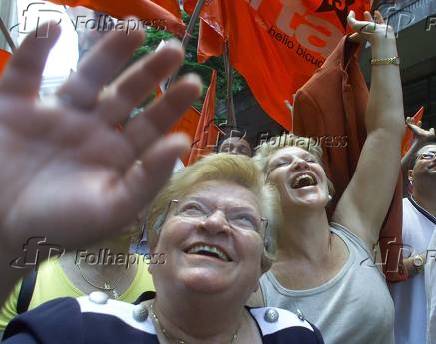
(65, 173)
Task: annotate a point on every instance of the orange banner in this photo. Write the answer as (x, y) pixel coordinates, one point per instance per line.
(277, 45)
(206, 135)
(408, 135)
(145, 10)
(4, 58)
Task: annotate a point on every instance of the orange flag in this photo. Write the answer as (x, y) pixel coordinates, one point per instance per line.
(146, 10)
(171, 6)
(206, 134)
(211, 34)
(277, 45)
(210, 43)
(187, 124)
(408, 135)
(4, 58)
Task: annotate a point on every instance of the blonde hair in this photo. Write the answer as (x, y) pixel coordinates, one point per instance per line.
(265, 151)
(219, 167)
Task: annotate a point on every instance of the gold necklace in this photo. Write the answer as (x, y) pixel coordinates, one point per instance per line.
(178, 340)
(107, 287)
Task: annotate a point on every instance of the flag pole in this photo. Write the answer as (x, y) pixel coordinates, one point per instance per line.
(7, 35)
(231, 116)
(188, 34)
(192, 22)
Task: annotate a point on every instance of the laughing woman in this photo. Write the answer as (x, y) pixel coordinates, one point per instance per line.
(323, 270)
(211, 221)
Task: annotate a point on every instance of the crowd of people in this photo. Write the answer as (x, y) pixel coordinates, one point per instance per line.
(250, 254)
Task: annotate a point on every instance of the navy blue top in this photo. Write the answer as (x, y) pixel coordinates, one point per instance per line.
(69, 320)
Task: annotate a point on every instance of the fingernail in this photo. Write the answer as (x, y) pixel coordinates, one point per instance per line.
(194, 79)
(182, 139)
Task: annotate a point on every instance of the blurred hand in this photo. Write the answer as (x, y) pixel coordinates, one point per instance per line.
(65, 172)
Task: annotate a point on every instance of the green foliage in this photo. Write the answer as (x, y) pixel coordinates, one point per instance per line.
(154, 37)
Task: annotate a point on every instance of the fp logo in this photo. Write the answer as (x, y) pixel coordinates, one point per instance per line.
(33, 249)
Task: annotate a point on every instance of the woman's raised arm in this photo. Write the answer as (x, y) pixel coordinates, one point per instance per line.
(364, 204)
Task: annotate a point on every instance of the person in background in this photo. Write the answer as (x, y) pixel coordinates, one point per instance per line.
(235, 143)
(421, 138)
(106, 267)
(323, 269)
(430, 287)
(419, 224)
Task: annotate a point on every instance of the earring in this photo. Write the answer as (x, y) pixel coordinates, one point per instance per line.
(330, 197)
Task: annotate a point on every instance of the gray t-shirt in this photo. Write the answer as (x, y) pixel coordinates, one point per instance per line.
(354, 307)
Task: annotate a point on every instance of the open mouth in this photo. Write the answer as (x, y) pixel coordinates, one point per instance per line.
(303, 180)
(209, 251)
(432, 167)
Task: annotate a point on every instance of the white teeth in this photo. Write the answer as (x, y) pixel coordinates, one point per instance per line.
(301, 177)
(210, 249)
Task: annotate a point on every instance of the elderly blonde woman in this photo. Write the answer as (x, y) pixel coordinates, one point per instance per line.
(325, 271)
(212, 223)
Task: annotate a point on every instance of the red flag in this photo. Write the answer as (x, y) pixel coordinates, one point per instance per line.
(146, 10)
(4, 58)
(277, 45)
(408, 135)
(206, 134)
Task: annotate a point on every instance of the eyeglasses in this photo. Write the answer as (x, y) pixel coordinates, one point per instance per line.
(237, 219)
(426, 156)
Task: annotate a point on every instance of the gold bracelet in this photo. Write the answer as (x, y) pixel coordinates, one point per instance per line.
(386, 61)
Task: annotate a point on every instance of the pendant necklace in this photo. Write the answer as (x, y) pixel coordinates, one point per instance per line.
(179, 340)
(107, 287)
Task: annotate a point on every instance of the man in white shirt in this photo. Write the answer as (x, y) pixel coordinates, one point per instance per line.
(419, 224)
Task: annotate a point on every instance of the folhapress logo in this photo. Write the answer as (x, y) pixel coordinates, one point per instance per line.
(33, 252)
(35, 14)
(430, 23)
